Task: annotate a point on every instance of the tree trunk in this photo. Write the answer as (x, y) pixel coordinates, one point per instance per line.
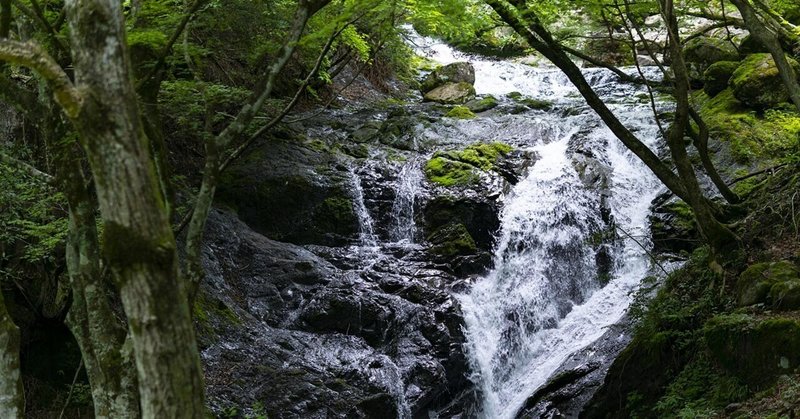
(137, 240)
(721, 239)
(766, 37)
(12, 399)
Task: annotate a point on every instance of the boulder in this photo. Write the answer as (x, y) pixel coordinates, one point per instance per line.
(754, 350)
(757, 83)
(705, 50)
(483, 104)
(750, 45)
(293, 190)
(717, 76)
(460, 72)
(774, 283)
(451, 94)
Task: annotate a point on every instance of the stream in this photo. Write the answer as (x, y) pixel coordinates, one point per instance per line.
(543, 300)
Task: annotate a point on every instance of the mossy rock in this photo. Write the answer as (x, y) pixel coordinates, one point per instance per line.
(450, 173)
(482, 105)
(459, 72)
(757, 83)
(750, 45)
(529, 102)
(717, 75)
(755, 285)
(706, 50)
(453, 168)
(749, 134)
(755, 350)
(451, 94)
(460, 112)
(452, 239)
(478, 214)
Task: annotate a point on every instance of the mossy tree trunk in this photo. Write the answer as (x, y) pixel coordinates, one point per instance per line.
(138, 243)
(12, 400)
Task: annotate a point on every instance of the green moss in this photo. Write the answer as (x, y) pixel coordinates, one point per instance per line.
(460, 112)
(757, 81)
(755, 284)
(335, 214)
(716, 76)
(208, 311)
(751, 136)
(451, 240)
(449, 173)
(460, 167)
(482, 105)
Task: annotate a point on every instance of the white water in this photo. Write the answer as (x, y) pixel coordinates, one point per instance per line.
(543, 301)
(366, 230)
(407, 187)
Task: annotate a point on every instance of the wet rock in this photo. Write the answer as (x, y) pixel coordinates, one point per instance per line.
(757, 83)
(459, 72)
(294, 191)
(283, 327)
(750, 45)
(451, 94)
(672, 225)
(483, 104)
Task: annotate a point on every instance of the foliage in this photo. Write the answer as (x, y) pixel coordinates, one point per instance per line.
(32, 218)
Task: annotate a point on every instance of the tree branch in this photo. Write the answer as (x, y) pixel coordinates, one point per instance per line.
(31, 55)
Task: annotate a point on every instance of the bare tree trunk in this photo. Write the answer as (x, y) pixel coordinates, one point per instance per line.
(137, 240)
(12, 399)
(770, 40)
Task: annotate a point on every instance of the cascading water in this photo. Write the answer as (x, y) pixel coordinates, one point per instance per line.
(407, 187)
(544, 300)
(366, 234)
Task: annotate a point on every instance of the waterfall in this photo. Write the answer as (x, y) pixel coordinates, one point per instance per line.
(543, 300)
(407, 188)
(366, 230)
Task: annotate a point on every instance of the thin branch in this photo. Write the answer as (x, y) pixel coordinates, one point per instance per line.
(760, 172)
(25, 167)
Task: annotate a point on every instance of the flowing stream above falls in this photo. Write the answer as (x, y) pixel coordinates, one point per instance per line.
(544, 299)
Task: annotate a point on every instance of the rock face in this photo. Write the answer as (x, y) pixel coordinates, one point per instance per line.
(451, 94)
(460, 72)
(283, 328)
(757, 83)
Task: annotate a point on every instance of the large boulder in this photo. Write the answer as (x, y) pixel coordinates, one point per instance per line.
(703, 51)
(451, 94)
(293, 189)
(717, 76)
(460, 72)
(757, 83)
